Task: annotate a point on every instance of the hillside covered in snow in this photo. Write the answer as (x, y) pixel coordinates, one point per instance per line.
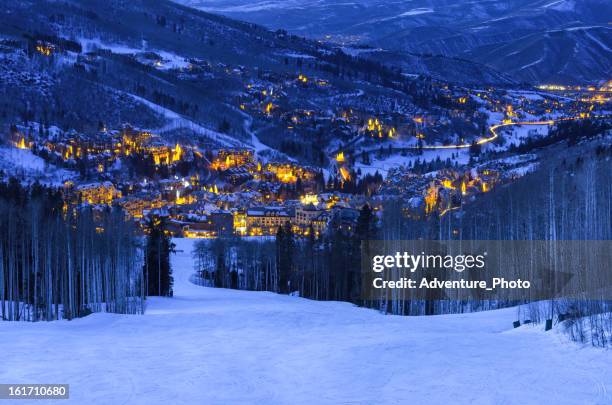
(222, 346)
(528, 40)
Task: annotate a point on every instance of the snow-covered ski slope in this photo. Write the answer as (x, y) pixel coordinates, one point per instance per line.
(207, 346)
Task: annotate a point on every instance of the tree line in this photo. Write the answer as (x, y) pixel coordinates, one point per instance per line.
(567, 198)
(322, 268)
(62, 262)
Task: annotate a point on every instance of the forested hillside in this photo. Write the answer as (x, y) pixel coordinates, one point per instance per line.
(61, 262)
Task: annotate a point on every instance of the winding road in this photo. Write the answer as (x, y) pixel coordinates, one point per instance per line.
(492, 130)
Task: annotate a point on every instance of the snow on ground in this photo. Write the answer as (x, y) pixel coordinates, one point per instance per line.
(417, 11)
(218, 346)
(597, 41)
(297, 55)
(561, 5)
(522, 170)
(177, 121)
(516, 159)
(461, 156)
(259, 146)
(22, 158)
(91, 44)
(519, 134)
(170, 60)
(409, 13)
(536, 62)
(494, 117)
(353, 51)
(529, 95)
(248, 7)
(23, 164)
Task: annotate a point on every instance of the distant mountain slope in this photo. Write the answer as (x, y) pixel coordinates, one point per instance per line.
(101, 67)
(443, 68)
(564, 55)
(507, 35)
(173, 69)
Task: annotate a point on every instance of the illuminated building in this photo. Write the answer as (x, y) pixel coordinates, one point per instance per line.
(97, 193)
(307, 217)
(45, 49)
(431, 198)
(136, 205)
(309, 199)
(446, 183)
(240, 223)
(21, 144)
(268, 108)
(289, 173)
(144, 142)
(266, 220)
(228, 158)
(346, 176)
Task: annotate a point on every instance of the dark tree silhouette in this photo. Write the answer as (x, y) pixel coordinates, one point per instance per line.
(157, 269)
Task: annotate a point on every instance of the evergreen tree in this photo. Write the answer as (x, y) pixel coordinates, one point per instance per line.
(364, 232)
(365, 229)
(157, 269)
(219, 252)
(475, 149)
(285, 250)
(224, 126)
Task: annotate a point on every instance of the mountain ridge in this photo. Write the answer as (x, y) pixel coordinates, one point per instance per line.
(479, 31)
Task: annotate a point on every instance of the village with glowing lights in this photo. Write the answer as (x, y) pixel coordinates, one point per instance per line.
(222, 148)
(435, 160)
(306, 202)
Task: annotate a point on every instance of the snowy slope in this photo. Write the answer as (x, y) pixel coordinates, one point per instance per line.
(572, 38)
(26, 166)
(219, 346)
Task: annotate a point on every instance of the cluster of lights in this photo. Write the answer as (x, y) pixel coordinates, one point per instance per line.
(268, 108)
(310, 199)
(375, 127)
(46, 50)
